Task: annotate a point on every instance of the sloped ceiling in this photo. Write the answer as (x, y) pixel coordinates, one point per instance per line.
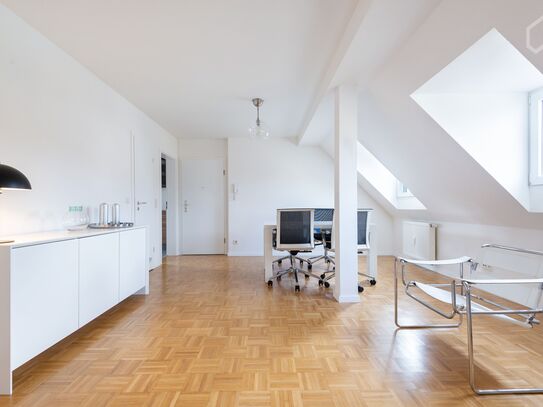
(393, 127)
(440, 173)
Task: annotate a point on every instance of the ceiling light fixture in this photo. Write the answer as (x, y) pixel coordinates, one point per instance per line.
(259, 130)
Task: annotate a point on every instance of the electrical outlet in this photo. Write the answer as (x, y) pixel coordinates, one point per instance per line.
(234, 242)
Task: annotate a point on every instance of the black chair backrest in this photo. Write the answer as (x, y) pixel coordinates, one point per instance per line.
(295, 229)
(324, 215)
(362, 226)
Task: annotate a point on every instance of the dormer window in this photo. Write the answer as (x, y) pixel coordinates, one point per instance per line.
(402, 191)
(535, 101)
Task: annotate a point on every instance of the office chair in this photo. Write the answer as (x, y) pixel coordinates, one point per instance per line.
(324, 218)
(363, 247)
(294, 235)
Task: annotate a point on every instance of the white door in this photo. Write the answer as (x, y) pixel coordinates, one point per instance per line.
(202, 183)
(144, 197)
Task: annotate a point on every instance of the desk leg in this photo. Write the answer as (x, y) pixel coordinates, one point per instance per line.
(268, 252)
(372, 253)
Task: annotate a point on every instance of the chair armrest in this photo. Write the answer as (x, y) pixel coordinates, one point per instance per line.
(505, 281)
(447, 262)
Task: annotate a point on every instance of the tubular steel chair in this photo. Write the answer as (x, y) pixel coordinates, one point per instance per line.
(294, 235)
(462, 301)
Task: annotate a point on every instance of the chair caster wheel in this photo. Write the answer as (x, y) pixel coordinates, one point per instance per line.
(321, 282)
(322, 276)
(301, 262)
(279, 262)
(270, 283)
(297, 288)
(309, 266)
(279, 278)
(327, 261)
(306, 276)
(373, 282)
(360, 289)
(326, 284)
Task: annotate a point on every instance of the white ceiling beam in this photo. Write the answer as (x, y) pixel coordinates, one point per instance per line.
(346, 39)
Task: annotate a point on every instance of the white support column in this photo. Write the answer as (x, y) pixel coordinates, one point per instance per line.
(346, 194)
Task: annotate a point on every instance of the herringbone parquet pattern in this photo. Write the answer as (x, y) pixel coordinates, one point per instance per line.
(212, 334)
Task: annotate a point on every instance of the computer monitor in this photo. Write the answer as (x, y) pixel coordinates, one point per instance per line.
(295, 229)
(324, 217)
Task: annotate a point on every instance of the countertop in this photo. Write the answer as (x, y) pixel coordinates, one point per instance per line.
(31, 239)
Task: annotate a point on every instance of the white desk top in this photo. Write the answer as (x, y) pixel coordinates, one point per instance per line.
(31, 239)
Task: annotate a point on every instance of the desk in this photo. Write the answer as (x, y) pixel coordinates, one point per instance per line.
(268, 252)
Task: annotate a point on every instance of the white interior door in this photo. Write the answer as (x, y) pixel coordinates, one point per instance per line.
(144, 197)
(202, 183)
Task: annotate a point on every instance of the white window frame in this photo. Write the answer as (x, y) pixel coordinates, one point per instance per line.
(535, 104)
(400, 193)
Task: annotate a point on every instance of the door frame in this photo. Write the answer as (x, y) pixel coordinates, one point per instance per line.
(224, 201)
(172, 239)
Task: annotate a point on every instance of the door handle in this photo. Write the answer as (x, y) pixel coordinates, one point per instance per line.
(139, 203)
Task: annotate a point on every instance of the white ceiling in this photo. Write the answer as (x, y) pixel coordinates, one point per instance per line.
(194, 65)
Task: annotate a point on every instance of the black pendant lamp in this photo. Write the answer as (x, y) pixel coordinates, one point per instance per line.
(11, 178)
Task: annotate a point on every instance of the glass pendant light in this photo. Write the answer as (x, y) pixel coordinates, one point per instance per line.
(259, 130)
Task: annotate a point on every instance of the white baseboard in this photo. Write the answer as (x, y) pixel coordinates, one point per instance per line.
(348, 298)
(245, 254)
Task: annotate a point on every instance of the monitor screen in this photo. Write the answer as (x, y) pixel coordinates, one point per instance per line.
(295, 227)
(324, 215)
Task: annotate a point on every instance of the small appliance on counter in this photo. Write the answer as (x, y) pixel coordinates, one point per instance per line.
(77, 218)
(103, 220)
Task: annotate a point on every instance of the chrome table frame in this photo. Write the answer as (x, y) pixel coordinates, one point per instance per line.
(465, 286)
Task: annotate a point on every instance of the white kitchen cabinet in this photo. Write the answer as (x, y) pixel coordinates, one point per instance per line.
(44, 297)
(53, 283)
(133, 274)
(98, 275)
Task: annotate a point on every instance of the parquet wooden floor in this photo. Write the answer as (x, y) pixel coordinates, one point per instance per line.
(213, 334)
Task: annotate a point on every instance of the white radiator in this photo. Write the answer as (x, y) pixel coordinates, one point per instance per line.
(419, 240)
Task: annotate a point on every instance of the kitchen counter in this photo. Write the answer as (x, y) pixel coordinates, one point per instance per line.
(30, 239)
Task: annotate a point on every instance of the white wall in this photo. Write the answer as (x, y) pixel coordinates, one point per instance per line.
(68, 132)
(201, 148)
(276, 173)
